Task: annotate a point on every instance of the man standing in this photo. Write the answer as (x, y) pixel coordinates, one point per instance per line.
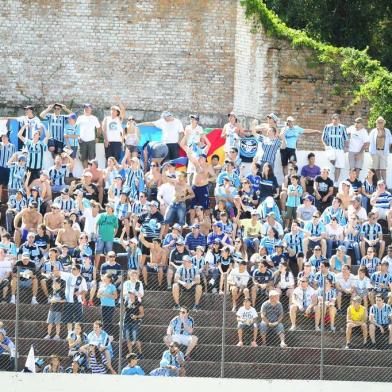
(271, 317)
(7, 150)
(380, 139)
(71, 135)
(171, 132)
(359, 141)
(335, 140)
(88, 125)
(56, 124)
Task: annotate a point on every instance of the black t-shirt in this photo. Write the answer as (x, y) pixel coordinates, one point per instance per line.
(91, 194)
(132, 309)
(323, 185)
(176, 256)
(356, 185)
(30, 266)
(151, 231)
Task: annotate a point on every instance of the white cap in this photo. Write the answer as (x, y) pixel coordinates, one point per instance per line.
(290, 118)
(269, 201)
(272, 293)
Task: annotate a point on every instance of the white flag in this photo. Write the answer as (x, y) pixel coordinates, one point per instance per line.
(30, 361)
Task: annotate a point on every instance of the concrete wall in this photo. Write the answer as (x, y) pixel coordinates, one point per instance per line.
(21, 382)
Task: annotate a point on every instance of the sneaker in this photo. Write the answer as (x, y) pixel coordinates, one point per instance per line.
(177, 307)
(47, 337)
(221, 292)
(168, 288)
(56, 337)
(12, 300)
(333, 329)
(317, 329)
(214, 290)
(293, 328)
(253, 344)
(195, 307)
(34, 301)
(240, 344)
(283, 345)
(347, 346)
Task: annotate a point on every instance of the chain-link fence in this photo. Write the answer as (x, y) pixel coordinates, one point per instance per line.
(180, 326)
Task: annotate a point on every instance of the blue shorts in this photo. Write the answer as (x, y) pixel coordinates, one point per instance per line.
(201, 196)
(103, 247)
(153, 269)
(25, 284)
(131, 332)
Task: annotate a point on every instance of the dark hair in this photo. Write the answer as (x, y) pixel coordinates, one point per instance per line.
(294, 176)
(6, 235)
(271, 174)
(215, 156)
(379, 296)
(364, 269)
(375, 178)
(234, 149)
(311, 155)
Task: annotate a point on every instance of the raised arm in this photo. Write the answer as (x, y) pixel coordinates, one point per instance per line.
(20, 133)
(45, 112)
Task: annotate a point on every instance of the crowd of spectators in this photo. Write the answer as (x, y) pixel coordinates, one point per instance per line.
(221, 225)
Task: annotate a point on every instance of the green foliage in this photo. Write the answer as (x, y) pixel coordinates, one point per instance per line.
(366, 78)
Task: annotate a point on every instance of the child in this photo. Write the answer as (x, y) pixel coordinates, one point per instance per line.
(65, 259)
(294, 193)
(89, 273)
(330, 300)
(198, 261)
(56, 307)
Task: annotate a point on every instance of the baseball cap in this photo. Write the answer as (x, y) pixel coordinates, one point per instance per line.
(357, 298)
(279, 244)
(217, 241)
(118, 176)
(269, 201)
(180, 242)
(72, 116)
(187, 258)
(2, 331)
(29, 107)
(232, 114)
(273, 116)
(26, 254)
(21, 158)
(254, 212)
(384, 262)
(310, 198)
(195, 116)
(115, 107)
(317, 247)
(176, 226)
(218, 224)
(195, 226)
(154, 203)
(131, 356)
(342, 248)
(379, 182)
(33, 204)
(273, 293)
(134, 240)
(88, 105)
(290, 118)
(203, 155)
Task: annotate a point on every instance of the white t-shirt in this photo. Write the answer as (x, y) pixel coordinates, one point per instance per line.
(345, 284)
(193, 135)
(298, 295)
(89, 223)
(358, 137)
(361, 213)
(114, 129)
(237, 278)
(5, 267)
(247, 314)
(130, 286)
(87, 125)
(167, 191)
(170, 130)
(70, 283)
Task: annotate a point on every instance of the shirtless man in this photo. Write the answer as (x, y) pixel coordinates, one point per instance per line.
(97, 178)
(204, 173)
(68, 236)
(176, 211)
(30, 218)
(158, 259)
(54, 220)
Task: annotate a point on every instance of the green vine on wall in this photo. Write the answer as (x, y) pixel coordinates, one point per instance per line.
(368, 80)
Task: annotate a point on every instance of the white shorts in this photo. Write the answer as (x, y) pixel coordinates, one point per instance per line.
(336, 155)
(382, 212)
(182, 339)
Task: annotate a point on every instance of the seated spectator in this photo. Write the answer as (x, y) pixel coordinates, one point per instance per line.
(294, 242)
(133, 318)
(76, 339)
(198, 260)
(47, 268)
(7, 352)
(352, 232)
(280, 255)
(172, 363)
(112, 267)
(102, 344)
(284, 281)
(251, 232)
(26, 270)
(362, 286)
(388, 258)
(339, 259)
(304, 300)
(334, 235)
(187, 278)
(306, 210)
(315, 234)
(322, 274)
(271, 317)
(194, 239)
(368, 188)
(381, 201)
(356, 317)
(382, 283)
(16, 203)
(356, 209)
(262, 279)
(307, 273)
(6, 266)
(54, 365)
(96, 359)
(329, 305)
(68, 236)
(268, 208)
(370, 261)
(89, 273)
(180, 330)
(380, 315)
(323, 189)
(132, 368)
(238, 283)
(175, 261)
(269, 241)
(371, 235)
(246, 321)
(308, 173)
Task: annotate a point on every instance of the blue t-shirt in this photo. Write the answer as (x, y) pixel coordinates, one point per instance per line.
(291, 136)
(109, 289)
(132, 371)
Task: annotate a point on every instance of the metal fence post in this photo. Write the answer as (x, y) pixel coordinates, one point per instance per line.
(17, 308)
(222, 374)
(322, 331)
(120, 326)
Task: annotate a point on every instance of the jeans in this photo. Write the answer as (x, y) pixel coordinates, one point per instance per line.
(330, 245)
(355, 247)
(9, 221)
(176, 213)
(107, 318)
(252, 244)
